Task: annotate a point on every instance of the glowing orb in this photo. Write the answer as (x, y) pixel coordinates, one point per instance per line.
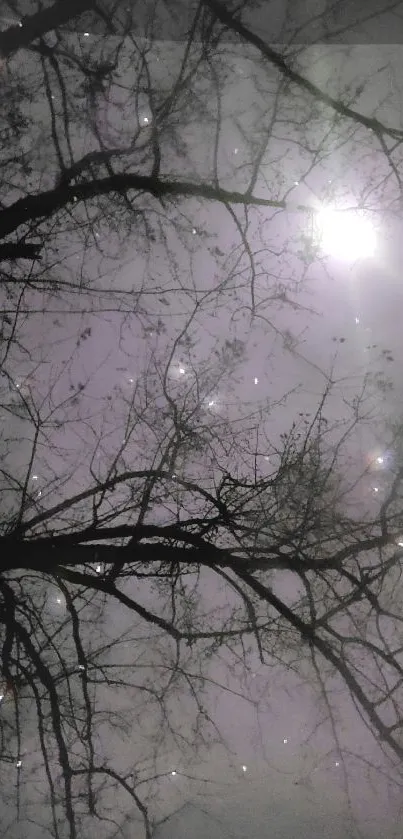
(345, 235)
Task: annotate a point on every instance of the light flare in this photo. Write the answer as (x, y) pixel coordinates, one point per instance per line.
(344, 234)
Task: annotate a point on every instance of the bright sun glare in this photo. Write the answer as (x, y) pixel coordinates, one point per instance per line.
(345, 235)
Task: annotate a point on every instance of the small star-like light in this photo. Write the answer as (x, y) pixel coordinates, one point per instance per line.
(145, 121)
(296, 183)
(81, 667)
(86, 34)
(181, 370)
(379, 460)
(337, 763)
(19, 23)
(211, 403)
(400, 543)
(376, 489)
(244, 768)
(1, 697)
(236, 151)
(34, 477)
(256, 380)
(173, 772)
(131, 380)
(98, 569)
(39, 494)
(194, 231)
(357, 320)
(18, 764)
(285, 740)
(58, 600)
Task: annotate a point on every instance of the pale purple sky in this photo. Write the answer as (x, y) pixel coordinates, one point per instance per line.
(118, 350)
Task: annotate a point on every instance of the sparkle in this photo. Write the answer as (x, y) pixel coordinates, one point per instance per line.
(34, 477)
(379, 460)
(376, 489)
(58, 600)
(98, 569)
(181, 370)
(18, 764)
(81, 667)
(400, 543)
(337, 763)
(296, 183)
(244, 768)
(86, 34)
(1, 697)
(173, 772)
(211, 403)
(285, 740)
(236, 151)
(194, 231)
(256, 380)
(357, 320)
(145, 120)
(131, 381)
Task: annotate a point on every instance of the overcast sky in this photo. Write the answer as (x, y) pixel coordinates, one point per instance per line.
(279, 784)
(344, 22)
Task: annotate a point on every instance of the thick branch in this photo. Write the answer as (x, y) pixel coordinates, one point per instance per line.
(43, 21)
(72, 549)
(11, 251)
(45, 204)
(47, 555)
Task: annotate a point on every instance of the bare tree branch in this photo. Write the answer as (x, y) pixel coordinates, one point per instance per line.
(44, 20)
